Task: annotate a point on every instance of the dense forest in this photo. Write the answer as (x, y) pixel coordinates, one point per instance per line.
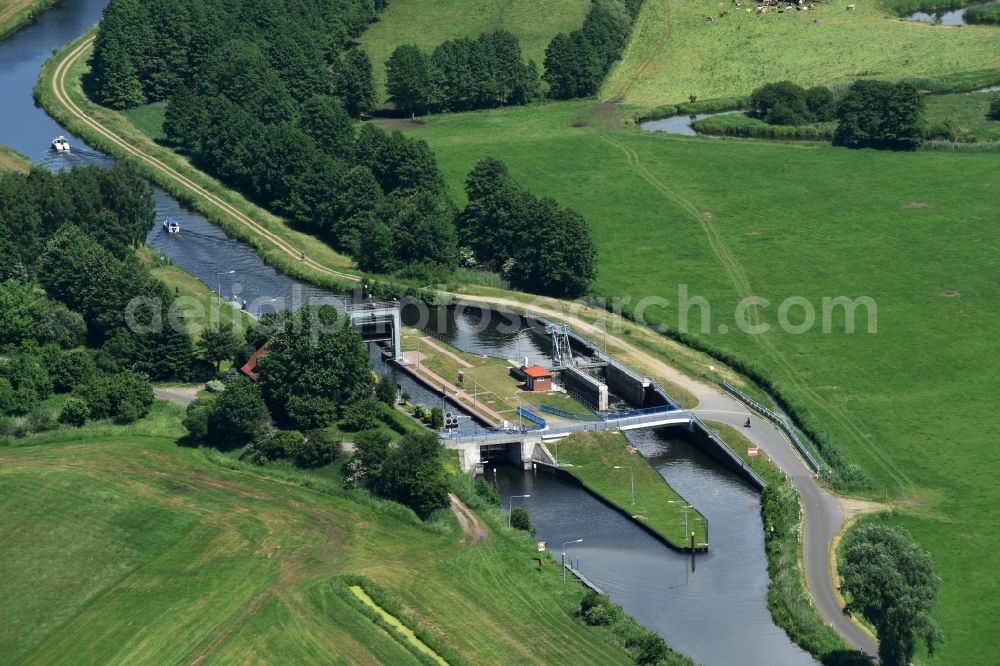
(68, 275)
(264, 94)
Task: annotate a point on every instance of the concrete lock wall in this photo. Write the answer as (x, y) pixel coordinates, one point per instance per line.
(592, 390)
(628, 386)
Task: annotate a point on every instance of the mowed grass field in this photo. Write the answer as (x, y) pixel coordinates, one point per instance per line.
(593, 456)
(675, 52)
(121, 547)
(913, 403)
(427, 24)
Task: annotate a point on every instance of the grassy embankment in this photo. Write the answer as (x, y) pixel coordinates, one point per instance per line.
(197, 306)
(786, 596)
(533, 22)
(674, 52)
(488, 379)
(118, 533)
(11, 160)
(733, 218)
(592, 458)
(988, 13)
(15, 13)
(117, 123)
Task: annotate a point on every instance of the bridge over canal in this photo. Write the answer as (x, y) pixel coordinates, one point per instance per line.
(529, 447)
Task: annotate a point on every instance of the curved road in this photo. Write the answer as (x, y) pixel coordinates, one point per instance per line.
(823, 517)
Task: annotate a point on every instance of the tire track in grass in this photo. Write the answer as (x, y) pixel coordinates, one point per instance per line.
(742, 283)
(662, 39)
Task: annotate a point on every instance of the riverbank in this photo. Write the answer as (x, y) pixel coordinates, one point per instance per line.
(790, 605)
(11, 160)
(60, 91)
(16, 13)
(605, 463)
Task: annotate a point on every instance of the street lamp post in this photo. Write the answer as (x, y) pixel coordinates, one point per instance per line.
(219, 280)
(510, 507)
(565, 543)
(631, 474)
(517, 400)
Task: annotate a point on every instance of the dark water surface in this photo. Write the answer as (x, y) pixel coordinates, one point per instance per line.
(716, 614)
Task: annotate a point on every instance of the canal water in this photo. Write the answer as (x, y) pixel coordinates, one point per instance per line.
(718, 614)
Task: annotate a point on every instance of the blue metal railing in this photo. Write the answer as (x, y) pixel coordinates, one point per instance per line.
(639, 412)
(778, 420)
(534, 418)
(573, 416)
(511, 434)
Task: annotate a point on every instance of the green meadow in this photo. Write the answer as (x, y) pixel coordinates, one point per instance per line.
(427, 24)
(726, 219)
(122, 547)
(675, 52)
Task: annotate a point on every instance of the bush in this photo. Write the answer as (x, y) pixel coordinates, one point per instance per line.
(317, 450)
(215, 386)
(270, 445)
(363, 414)
(485, 490)
(387, 388)
(239, 415)
(41, 420)
(880, 114)
(74, 412)
(994, 112)
(196, 420)
(781, 103)
(436, 420)
(519, 519)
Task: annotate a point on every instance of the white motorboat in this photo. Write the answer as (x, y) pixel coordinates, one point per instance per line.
(60, 144)
(171, 226)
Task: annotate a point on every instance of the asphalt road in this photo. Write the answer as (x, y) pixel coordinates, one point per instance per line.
(823, 518)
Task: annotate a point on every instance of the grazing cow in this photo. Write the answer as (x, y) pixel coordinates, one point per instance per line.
(850, 8)
(723, 14)
(762, 10)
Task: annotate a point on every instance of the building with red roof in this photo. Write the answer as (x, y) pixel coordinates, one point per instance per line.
(537, 378)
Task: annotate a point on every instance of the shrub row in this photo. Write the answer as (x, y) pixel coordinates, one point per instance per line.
(786, 596)
(741, 125)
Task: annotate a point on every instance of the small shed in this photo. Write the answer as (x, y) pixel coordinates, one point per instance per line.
(537, 378)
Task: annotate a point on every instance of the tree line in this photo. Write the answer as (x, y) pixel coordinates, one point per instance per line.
(461, 75)
(267, 105)
(268, 110)
(876, 114)
(533, 242)
(576, 63)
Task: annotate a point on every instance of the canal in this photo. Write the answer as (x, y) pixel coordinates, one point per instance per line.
(717, 615)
